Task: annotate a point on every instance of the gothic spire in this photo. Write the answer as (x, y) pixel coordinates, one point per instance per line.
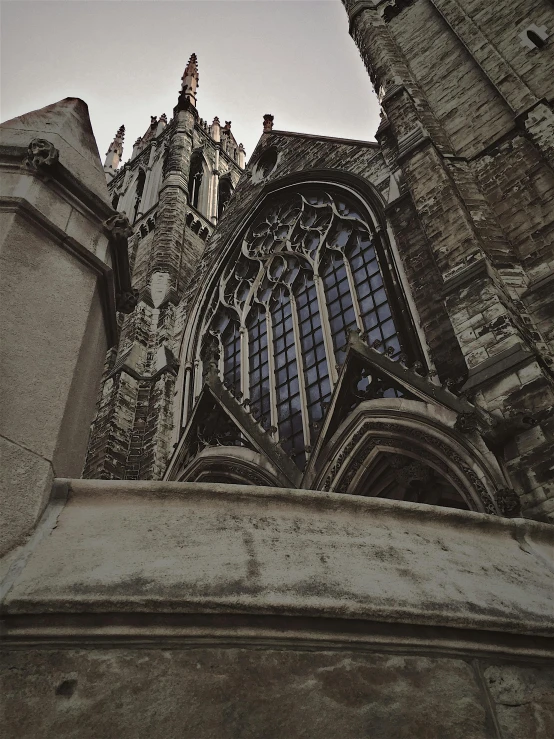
(189, 80)
(114, 153)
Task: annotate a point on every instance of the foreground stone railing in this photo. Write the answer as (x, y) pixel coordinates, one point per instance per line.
(231, 608)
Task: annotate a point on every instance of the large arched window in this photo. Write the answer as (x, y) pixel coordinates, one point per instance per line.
(311, 267)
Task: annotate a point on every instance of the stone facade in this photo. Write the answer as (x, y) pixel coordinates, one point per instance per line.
(466, 126)
(460, 185)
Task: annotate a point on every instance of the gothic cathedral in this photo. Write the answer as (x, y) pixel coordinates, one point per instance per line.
(318, 488)
(371, 318)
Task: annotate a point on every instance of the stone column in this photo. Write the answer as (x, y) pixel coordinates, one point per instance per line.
(64, 270)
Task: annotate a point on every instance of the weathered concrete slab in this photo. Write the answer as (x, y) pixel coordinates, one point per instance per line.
(193, 548)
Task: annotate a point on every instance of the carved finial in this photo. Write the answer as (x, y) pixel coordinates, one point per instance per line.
(119, 138)
(242, 157)
(163, 118)
(114, 153)
(189, 80)
(227, 127)
(153, 121)
(268, 122)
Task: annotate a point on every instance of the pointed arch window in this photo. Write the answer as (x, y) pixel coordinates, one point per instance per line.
(198, 182)
(225, 190)
(139, 189)
(311, 267)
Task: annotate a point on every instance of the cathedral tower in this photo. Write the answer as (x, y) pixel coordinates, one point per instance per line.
(173, 189)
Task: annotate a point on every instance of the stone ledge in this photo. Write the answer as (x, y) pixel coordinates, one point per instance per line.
(540, 284)
(137, 548)
(493, 367)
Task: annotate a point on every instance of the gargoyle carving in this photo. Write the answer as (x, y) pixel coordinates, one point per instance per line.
(41, 154)
(126, 302)
(119, 227)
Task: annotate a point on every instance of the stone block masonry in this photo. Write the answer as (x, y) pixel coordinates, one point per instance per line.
(467, 124)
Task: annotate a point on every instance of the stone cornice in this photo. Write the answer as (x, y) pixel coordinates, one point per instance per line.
(15, 156)
(498, 365)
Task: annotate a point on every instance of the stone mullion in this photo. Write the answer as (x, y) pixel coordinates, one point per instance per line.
(354, 294)
(271, 370)
(244, 362)
(326, 329)
(301, 377)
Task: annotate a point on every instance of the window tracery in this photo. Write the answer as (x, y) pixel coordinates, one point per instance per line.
(310, 268)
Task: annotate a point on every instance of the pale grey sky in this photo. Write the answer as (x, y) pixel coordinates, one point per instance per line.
(125, 58)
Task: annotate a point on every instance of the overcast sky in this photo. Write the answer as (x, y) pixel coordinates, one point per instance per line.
(125, 58)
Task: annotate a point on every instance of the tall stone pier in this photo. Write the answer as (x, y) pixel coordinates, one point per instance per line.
(63, 269)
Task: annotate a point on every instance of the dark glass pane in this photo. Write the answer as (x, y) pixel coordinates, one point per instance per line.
(230, 340)
(259, 367)
(372, 298)
(316, 371)
(286, 373)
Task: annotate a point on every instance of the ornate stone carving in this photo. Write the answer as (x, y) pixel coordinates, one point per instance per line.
(217, 429)
(41, 154)
(467, 422)
(508, 502)
(431, 442)
(210, 352)
(119, 227)
(126, 301)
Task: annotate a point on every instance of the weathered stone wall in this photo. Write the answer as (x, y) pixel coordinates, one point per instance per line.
(229, 692)
(60, 275)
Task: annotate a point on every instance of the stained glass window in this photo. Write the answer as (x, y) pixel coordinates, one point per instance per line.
(309, 268)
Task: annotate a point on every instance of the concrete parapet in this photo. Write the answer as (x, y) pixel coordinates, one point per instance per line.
(250, 591)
